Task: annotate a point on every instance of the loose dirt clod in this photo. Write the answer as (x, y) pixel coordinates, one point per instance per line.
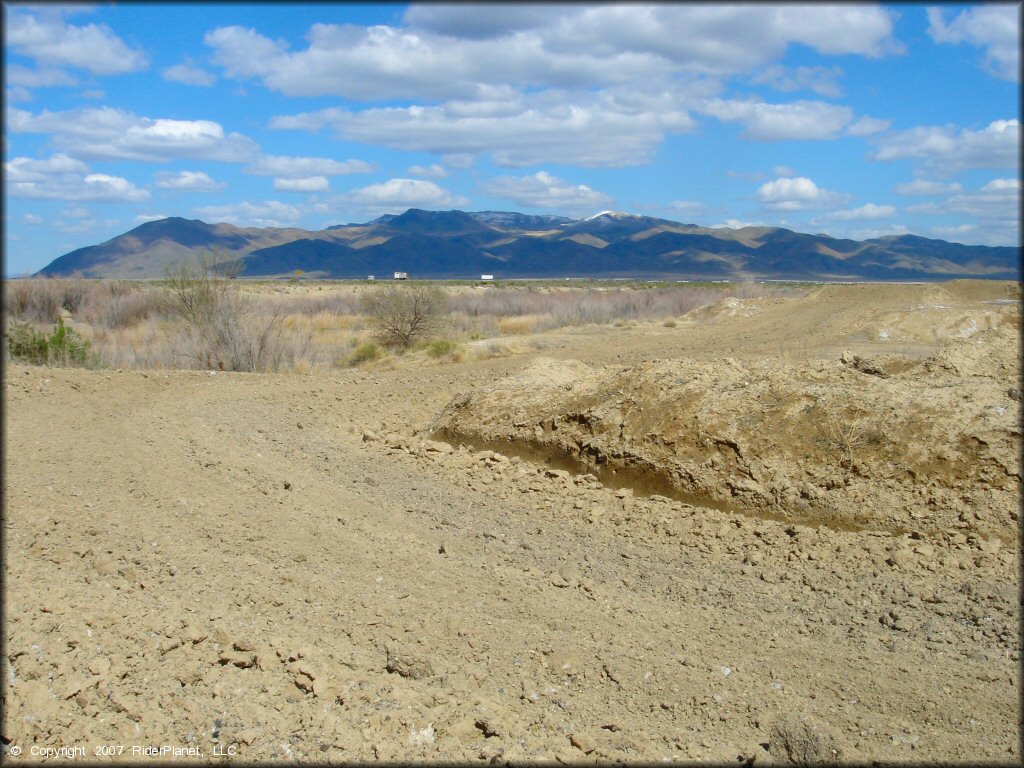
(803, 740)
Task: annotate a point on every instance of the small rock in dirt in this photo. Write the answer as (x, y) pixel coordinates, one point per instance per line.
(802, 740)
(432, 446)
(558, 580)
(755, 754)
(247, 736)
(870, 366)
(407, 663)
(192, 634)
(583, 742)
(370, 437)
(241, 660)
(490, 725)
(904, 559)
(104, 565)
(72, 687)
(423, 737)
(327, 690)
(169, 645)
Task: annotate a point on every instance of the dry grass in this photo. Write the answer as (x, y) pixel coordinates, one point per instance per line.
(520, 325)
(284, 326)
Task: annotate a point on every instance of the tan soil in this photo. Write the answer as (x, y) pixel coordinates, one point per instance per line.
(288, 566)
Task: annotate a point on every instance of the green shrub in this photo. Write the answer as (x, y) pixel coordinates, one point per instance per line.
(364, 353)
(64, 347)
(441, 347)
(26, 344)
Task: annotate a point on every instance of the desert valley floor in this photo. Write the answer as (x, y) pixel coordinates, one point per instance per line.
(780, 529)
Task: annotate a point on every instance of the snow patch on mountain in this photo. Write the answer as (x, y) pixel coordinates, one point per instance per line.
(613, 215)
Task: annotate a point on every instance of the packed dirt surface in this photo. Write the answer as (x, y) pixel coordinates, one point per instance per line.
(772, 531)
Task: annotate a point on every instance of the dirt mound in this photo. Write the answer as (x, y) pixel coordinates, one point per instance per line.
(984, 290)
(932, 447)
(728, 307)
(939, 322)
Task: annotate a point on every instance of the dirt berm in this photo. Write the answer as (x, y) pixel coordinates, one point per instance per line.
(888, 443)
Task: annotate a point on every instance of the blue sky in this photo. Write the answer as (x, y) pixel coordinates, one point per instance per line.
(853, 120)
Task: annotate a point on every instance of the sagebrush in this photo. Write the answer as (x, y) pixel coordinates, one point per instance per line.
(402, 316)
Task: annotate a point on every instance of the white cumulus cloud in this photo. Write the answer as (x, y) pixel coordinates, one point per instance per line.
(113, 134)
(994, 27)
(396, 195)
(269, 213)
(470, 51)
(543, 190)
(287, 167)
(946, 150)
(191, 181)
(38, 78)
(64, 178)
(992, 212)
(799, 120)
(797, 194)
(872, 233)
(50, 40)
(306, 184)
(581, 128)
(867, 212)
(821, 80)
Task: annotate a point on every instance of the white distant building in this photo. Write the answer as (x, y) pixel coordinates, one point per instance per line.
(371, 277)
(486, 277)
(401, 275)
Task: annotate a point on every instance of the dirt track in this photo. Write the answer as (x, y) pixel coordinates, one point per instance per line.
(286, 566)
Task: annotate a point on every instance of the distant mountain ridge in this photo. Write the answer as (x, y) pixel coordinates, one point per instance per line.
(456, 244)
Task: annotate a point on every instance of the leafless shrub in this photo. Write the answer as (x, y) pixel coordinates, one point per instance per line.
(35, 300)
(846, 435)
(402, 316)
(234, 336)
(122, 305)
(195, 288)
(224, 329)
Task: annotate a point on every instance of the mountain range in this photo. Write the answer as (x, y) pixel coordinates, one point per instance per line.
(457, 244)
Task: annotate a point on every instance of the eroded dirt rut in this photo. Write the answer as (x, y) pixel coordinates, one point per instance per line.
(930, 448)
